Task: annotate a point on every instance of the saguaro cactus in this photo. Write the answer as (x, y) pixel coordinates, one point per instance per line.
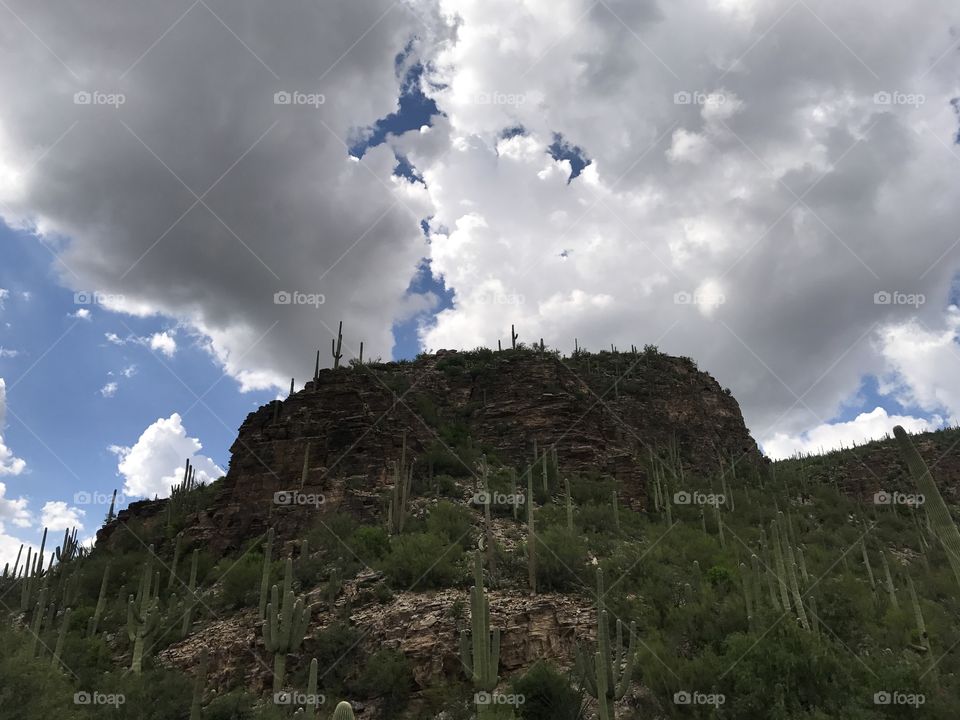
(175, 561)
(143, 613)
(343, 711)
(937, 512)
(192, 599)
(198, 684)
(58, 650)
(335, 347)
(285, 626)
(888, 578)
(607, 675)
(312, 699)
(101, 603)
(305, 472)
(480, 653)
(265, 575)
(780, 568)
(531, 538)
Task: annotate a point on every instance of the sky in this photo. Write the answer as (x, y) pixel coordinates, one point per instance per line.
(194, 194)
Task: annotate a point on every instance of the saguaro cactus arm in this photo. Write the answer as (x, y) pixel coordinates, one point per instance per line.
(937, 511)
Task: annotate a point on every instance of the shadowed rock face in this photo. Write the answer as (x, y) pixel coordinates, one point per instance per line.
(354, 420)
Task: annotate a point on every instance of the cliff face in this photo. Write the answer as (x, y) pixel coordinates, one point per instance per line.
(354, 421)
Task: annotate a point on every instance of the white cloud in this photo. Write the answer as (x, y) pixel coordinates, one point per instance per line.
(676, 193)
(156, 460)
(9, 463)
(873, 425)
(4, 294)
(109, 390)
(164, 342)
(5, 353)
(57, 515)
(925, 364)
(273, 170)
(81, 314)
(13, 510)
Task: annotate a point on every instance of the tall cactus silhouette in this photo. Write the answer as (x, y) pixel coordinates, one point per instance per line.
(265, 575)
(531, 538)
(607, 675)
(143, 613)
(284, 626)
(335, 347)
(480, 653)
(101, 603)
(937, 512)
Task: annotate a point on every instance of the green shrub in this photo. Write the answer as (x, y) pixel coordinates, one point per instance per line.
(451, 522)
(239, 580)
(234, 705)
(548, 695)
(370, 543)
(561, 556)
(335, 648)
(421, 560)
(387, 676)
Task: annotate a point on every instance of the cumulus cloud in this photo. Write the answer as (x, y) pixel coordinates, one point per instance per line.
(775, 153)
(156, 461)
(163, 342)
(81, 314)
(109, 390)
(201, 193)
(867, 426)
(57, 515)
(763, 166)
(9, 463)
(13, 511)
(924, 364)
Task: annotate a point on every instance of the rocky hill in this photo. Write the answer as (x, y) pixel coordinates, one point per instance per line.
(626, 499)
(603, 413)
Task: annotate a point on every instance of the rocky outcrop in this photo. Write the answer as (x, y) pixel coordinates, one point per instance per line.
(602, 412)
